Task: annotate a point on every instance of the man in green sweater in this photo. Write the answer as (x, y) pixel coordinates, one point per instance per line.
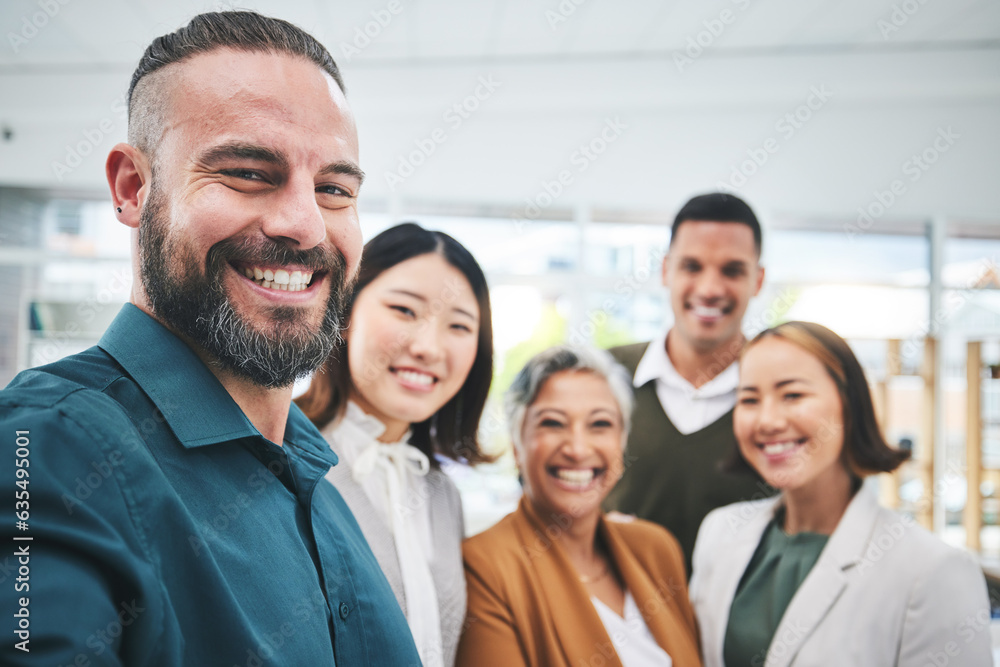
(685, 381)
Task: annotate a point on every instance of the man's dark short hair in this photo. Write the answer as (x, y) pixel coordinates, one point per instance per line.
(718, 207)
(242, 31)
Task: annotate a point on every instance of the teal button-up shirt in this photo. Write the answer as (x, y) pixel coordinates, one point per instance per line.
(149, 523)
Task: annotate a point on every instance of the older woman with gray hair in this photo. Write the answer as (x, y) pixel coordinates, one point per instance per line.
(555, 582)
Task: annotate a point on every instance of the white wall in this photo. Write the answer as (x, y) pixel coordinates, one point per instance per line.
(687, 128)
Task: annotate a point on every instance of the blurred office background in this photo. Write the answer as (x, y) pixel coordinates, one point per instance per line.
(556, 139)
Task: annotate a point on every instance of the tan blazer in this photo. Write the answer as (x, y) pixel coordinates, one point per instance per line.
(527, 607)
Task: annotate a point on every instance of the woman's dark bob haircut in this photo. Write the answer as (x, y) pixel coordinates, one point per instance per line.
(452, 430)
(865, 450)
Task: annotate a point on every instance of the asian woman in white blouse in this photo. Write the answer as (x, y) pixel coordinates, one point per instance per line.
(408, 383)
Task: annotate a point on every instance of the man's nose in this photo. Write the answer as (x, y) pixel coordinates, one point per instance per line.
(297, 219)
(710, 285)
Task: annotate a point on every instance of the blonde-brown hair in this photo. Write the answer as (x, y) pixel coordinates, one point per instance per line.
(866, 451)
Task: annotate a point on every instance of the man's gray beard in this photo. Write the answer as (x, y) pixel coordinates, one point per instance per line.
(196, 303)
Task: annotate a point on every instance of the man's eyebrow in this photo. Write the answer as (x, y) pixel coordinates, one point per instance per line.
(242, 151)
(345, 167)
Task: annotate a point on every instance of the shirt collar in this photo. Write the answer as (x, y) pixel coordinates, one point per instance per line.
(303, 434)
(191, 399)
(357, 430)
(656, 365)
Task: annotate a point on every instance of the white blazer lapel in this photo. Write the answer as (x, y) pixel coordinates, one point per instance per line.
(729, 566)
(826, 581)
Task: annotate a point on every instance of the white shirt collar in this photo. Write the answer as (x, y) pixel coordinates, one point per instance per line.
(656, 365)
(358, 429)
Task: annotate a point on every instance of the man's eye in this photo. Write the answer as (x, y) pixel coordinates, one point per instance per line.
(602, 423)
(334, 190)
(245, 174)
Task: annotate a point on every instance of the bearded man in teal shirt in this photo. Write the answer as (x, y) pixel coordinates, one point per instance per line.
(170, 504)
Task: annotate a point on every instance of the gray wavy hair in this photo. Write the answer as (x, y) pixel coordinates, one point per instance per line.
(525, 387)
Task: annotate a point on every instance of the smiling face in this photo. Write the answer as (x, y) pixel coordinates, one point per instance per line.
(789, 418)
(712, 272)
(411, 341)
(249, 228)
(572, 440)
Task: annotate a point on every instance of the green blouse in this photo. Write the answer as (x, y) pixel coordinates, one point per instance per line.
(777, 569)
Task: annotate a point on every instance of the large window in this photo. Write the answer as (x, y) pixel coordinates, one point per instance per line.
(68, 271)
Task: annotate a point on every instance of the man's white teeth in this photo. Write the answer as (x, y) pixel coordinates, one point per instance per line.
(776, 448)
(705, 311)
(575, 475)
(412, 377)
(296, 281)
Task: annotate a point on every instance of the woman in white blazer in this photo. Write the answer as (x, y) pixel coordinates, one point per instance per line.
(821, 574)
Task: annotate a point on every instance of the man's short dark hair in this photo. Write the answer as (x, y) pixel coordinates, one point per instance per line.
(718, 207)
(242, 31)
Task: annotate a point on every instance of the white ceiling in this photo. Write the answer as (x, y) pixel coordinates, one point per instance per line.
(561, 81)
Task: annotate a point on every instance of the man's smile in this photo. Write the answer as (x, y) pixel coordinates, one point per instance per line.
(277, 278)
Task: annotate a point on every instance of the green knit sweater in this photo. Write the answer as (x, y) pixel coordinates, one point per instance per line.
(671, 478)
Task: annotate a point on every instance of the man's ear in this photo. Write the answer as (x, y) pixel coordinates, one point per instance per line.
(664, 267)
(760, 280)
(128, 175)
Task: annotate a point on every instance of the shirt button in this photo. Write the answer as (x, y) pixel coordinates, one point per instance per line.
(344, 610)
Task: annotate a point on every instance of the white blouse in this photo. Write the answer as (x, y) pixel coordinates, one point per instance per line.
(392, 475)
(630, 635)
